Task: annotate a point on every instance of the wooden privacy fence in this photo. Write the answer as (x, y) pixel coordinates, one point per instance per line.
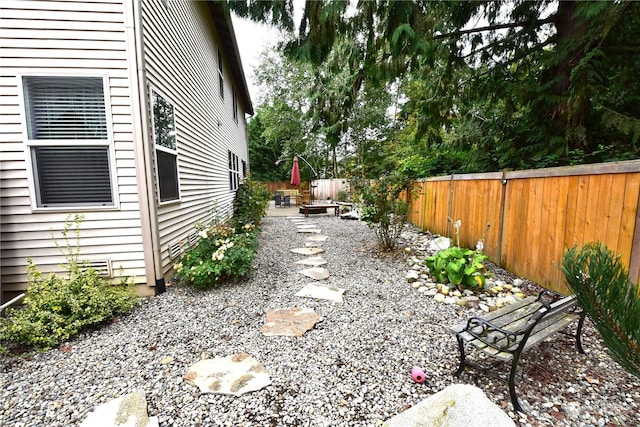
(323, 188)
(535, 215)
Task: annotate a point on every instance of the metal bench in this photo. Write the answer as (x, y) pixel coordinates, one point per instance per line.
(507, 332)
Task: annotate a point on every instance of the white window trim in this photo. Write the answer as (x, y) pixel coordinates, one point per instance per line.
(162, 148)
(28, 144)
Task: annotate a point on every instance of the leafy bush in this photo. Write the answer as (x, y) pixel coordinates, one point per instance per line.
(460, 266)
(603, 289)
(56, 309)
(250, 204)
(383, 209)
(221, 255)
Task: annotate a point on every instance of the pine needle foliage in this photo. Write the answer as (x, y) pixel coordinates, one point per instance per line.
(602, 286)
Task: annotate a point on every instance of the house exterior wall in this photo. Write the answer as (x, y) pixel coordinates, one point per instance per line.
(170, 47)
(181, 63)
(76, 38)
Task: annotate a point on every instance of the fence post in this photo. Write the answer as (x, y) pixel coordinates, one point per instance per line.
(634, 266)
(449, 215)
(503, 197)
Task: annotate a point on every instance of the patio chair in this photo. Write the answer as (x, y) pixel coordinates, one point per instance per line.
(278, 199)
(286, 202)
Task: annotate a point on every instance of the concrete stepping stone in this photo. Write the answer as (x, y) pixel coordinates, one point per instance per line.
(315, 261)
(307, 251)
(317, 238)
(304, 226)
(331, 293)
(317, 273)
(289, 322)
(309, 230)
(233, 375)
(129, 410)
(313, 244)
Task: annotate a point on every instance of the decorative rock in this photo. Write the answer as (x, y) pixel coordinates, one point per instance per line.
(456, 405)
(315, 261)
(422, 289)
(444, 290)
(290, 322)
(316, 273)
(128, 411)
(234, 375)
(431, 292)
(417, 285)
(439, 297)
(518, 283)
(449, 300)
(439, 244)
(330, 293)
(462, 302)
(483, 307)
(456, 293)
(307, 251)
(412, 276)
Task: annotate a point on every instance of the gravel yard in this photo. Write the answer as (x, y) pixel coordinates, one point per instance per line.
(352, 369)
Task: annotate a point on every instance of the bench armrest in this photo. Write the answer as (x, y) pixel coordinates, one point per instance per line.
(491, 334)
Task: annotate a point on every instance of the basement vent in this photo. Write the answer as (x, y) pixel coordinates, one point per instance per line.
(175, 249)
(193, 239)
(102, 267)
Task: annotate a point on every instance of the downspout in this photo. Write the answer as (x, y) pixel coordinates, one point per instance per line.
(143, 156)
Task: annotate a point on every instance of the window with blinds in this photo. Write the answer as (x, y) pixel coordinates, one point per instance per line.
(164, 135)
(68, 141)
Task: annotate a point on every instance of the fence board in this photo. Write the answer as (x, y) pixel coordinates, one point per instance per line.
(543, 212)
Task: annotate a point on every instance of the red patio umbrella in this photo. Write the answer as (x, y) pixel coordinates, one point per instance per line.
(295, 172)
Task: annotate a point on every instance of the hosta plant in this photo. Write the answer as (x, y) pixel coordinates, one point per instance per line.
(460, 266)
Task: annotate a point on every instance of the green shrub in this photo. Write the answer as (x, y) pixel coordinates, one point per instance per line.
(342, 196)
(221, 255)
(383, 209)
(250, 204)
(603, 289)
(56, 309)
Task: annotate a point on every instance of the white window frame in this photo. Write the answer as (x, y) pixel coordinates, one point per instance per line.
(235, 106)
(30, 144)
(157, 147)
(234, 170)
(220, 75)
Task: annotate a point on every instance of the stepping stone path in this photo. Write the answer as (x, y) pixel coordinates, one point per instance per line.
(233, 375)
(289, 322)
(309, 230)
(330, 293)
(129, 410)
(318, 238)
(315, 261)
(317, 273)
(307, 251)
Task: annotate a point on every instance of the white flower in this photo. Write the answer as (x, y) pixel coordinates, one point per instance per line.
(457, 224)
(203, 234)
(480, 245)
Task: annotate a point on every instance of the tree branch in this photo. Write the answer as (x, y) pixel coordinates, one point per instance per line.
(535, 23)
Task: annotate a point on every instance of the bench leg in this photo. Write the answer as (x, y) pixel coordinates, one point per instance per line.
(579, 333)
(462, 357)
(512, 383)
